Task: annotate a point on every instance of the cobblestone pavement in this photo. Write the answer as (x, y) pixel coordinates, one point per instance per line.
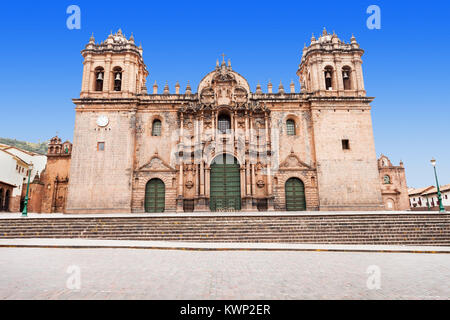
(161, 274)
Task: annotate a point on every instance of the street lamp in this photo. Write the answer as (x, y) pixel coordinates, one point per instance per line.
(25, 207)
(441, 206)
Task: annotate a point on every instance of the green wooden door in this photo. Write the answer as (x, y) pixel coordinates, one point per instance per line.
(155, 196)
(225, 184)
(295, 195)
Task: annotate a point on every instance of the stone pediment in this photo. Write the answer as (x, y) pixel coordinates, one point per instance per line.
(294, 162)
(156, 164)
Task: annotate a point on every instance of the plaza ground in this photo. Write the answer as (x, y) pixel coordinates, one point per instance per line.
(42, 273)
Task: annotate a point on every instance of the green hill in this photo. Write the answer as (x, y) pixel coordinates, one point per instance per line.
(40, 148)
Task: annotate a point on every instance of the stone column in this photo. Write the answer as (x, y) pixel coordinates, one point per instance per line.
(246, 126)
(248, 178)
(207, 182)
(214, 123)
(242, 170)
(197, 179)
(126, 76)
(87, 75)
(320, 81)
(182, 129)
(253, 178)
(202, 178)
(180, 182)
(266, 124)
(106, 81)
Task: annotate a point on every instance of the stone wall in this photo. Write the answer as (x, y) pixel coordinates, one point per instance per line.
(347, 179)
(101, 181)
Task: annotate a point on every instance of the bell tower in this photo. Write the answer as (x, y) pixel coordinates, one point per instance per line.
(113, 69)
(331, 67)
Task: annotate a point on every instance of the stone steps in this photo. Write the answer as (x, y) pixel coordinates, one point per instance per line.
(297, 228)
(407, 229)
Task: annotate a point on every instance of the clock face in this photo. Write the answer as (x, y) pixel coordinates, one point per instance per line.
(102, 121)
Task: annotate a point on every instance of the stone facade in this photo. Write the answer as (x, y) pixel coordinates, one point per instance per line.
(55, 178)
(6, 191)
(394, 188)
(320, 138)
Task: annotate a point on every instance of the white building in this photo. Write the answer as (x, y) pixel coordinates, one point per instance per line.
(14, 167)
(425, 198)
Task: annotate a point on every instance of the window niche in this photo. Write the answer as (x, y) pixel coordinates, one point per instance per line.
(346, 78)
(156, 128)
(345, 144)
(328, 78)
(100, 146)
(290, 127)
(99, 77)
(117, 74)
(224, 123)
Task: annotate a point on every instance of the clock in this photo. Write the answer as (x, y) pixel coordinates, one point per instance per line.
(102, 121)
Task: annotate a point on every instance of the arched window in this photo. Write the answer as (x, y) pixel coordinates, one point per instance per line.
(99, 76)
(224, 123)
(290, 127)
(346, 72)
(156, 128)
(387, 179)
(329, 78)
(117, 73)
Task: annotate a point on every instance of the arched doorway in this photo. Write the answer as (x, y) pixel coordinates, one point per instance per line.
(390, 204)
(225, 184)
(295, 195)
(155, 196)
(7, 198)
(1, 199)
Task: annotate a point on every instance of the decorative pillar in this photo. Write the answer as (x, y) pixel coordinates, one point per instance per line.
(197, 179)
(246, 127)
(207, 182)
(214, 114)
(234, 129)
(253, 179)
(242, 171)
(182, 129)
(266, 124)
(87, 75)
(248, 178)
(106, 81)
(180, 182)
(202, 178)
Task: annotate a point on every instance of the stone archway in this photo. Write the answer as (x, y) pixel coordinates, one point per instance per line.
(7, 200)
(1, 199)
(390, 204)
(155, 196)
(295, 195)
(225, 184)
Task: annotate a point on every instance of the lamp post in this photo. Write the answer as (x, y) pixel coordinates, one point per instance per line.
(441, 206)
(25, 205)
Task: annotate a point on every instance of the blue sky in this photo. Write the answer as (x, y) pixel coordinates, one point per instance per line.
(406, 64)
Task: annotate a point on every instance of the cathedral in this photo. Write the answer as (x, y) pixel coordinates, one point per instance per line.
(224, 147)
